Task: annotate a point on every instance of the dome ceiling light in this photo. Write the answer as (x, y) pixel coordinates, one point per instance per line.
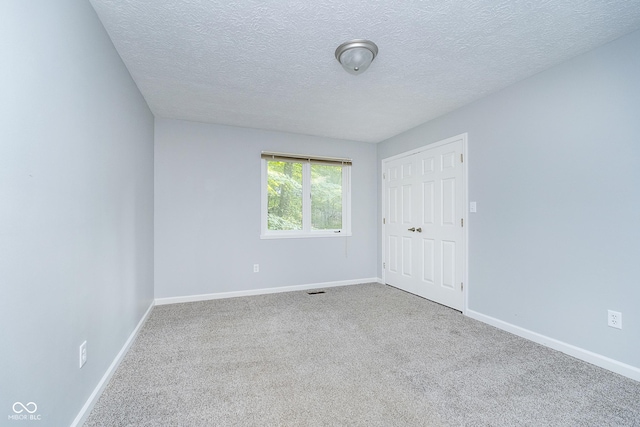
(356, 55)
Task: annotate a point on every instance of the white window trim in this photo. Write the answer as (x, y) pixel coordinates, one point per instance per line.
(306, 231)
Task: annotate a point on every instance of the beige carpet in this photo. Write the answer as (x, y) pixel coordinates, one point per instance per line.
(363, 355)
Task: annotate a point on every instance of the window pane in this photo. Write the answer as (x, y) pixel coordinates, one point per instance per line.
(284, 190)
(326, 197)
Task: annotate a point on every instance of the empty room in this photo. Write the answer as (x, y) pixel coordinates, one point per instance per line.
(283, 213)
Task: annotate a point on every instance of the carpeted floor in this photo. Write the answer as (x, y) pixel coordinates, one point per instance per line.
(363, 355)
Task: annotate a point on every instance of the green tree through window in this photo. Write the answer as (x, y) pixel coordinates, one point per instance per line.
(285, 195)
(326, 197)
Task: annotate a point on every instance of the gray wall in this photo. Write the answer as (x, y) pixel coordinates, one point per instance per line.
(76, 205)
(554, 164)
(207, 212)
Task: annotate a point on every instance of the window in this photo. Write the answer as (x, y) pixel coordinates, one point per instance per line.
(305, 196)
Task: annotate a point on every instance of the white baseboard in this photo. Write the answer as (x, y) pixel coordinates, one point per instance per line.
(221, 295)
(380, 280)
(88, 406)
(577, 352)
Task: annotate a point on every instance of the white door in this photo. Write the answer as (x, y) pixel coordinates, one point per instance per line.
(424, 239)
(401, 269)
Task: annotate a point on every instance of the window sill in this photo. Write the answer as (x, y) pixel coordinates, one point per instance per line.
(302, 236)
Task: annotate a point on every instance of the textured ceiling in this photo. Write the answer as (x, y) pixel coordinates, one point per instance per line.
(270, 64)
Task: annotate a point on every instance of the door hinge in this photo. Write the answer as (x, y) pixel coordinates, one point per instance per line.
(461, 158)
(461, 286)
(384, 176)
(461, 222)
(384, 265)
(384, 220)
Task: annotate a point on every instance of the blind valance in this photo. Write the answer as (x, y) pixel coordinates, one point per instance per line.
(287, 157)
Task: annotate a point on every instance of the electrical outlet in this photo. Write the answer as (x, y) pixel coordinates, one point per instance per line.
(256, 268)
(614, 319)
(83, 354)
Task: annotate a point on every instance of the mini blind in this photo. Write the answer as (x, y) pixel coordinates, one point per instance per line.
(287, 157)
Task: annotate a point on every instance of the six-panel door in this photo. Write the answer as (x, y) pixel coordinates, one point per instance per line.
(423, 224)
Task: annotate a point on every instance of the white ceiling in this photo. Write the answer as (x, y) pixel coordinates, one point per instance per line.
(270, 64)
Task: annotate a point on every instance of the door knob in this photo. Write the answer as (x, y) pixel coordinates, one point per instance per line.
(419, 230)
(411, 229)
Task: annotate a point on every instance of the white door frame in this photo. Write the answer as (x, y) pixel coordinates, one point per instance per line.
(465, 211)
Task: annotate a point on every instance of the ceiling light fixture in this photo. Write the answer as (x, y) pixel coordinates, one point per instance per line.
(356, 55)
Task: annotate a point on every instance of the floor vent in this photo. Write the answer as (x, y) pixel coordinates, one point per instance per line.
(315, 292)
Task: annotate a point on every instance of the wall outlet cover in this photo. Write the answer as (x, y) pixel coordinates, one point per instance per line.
(83, 354)
(614, 319)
